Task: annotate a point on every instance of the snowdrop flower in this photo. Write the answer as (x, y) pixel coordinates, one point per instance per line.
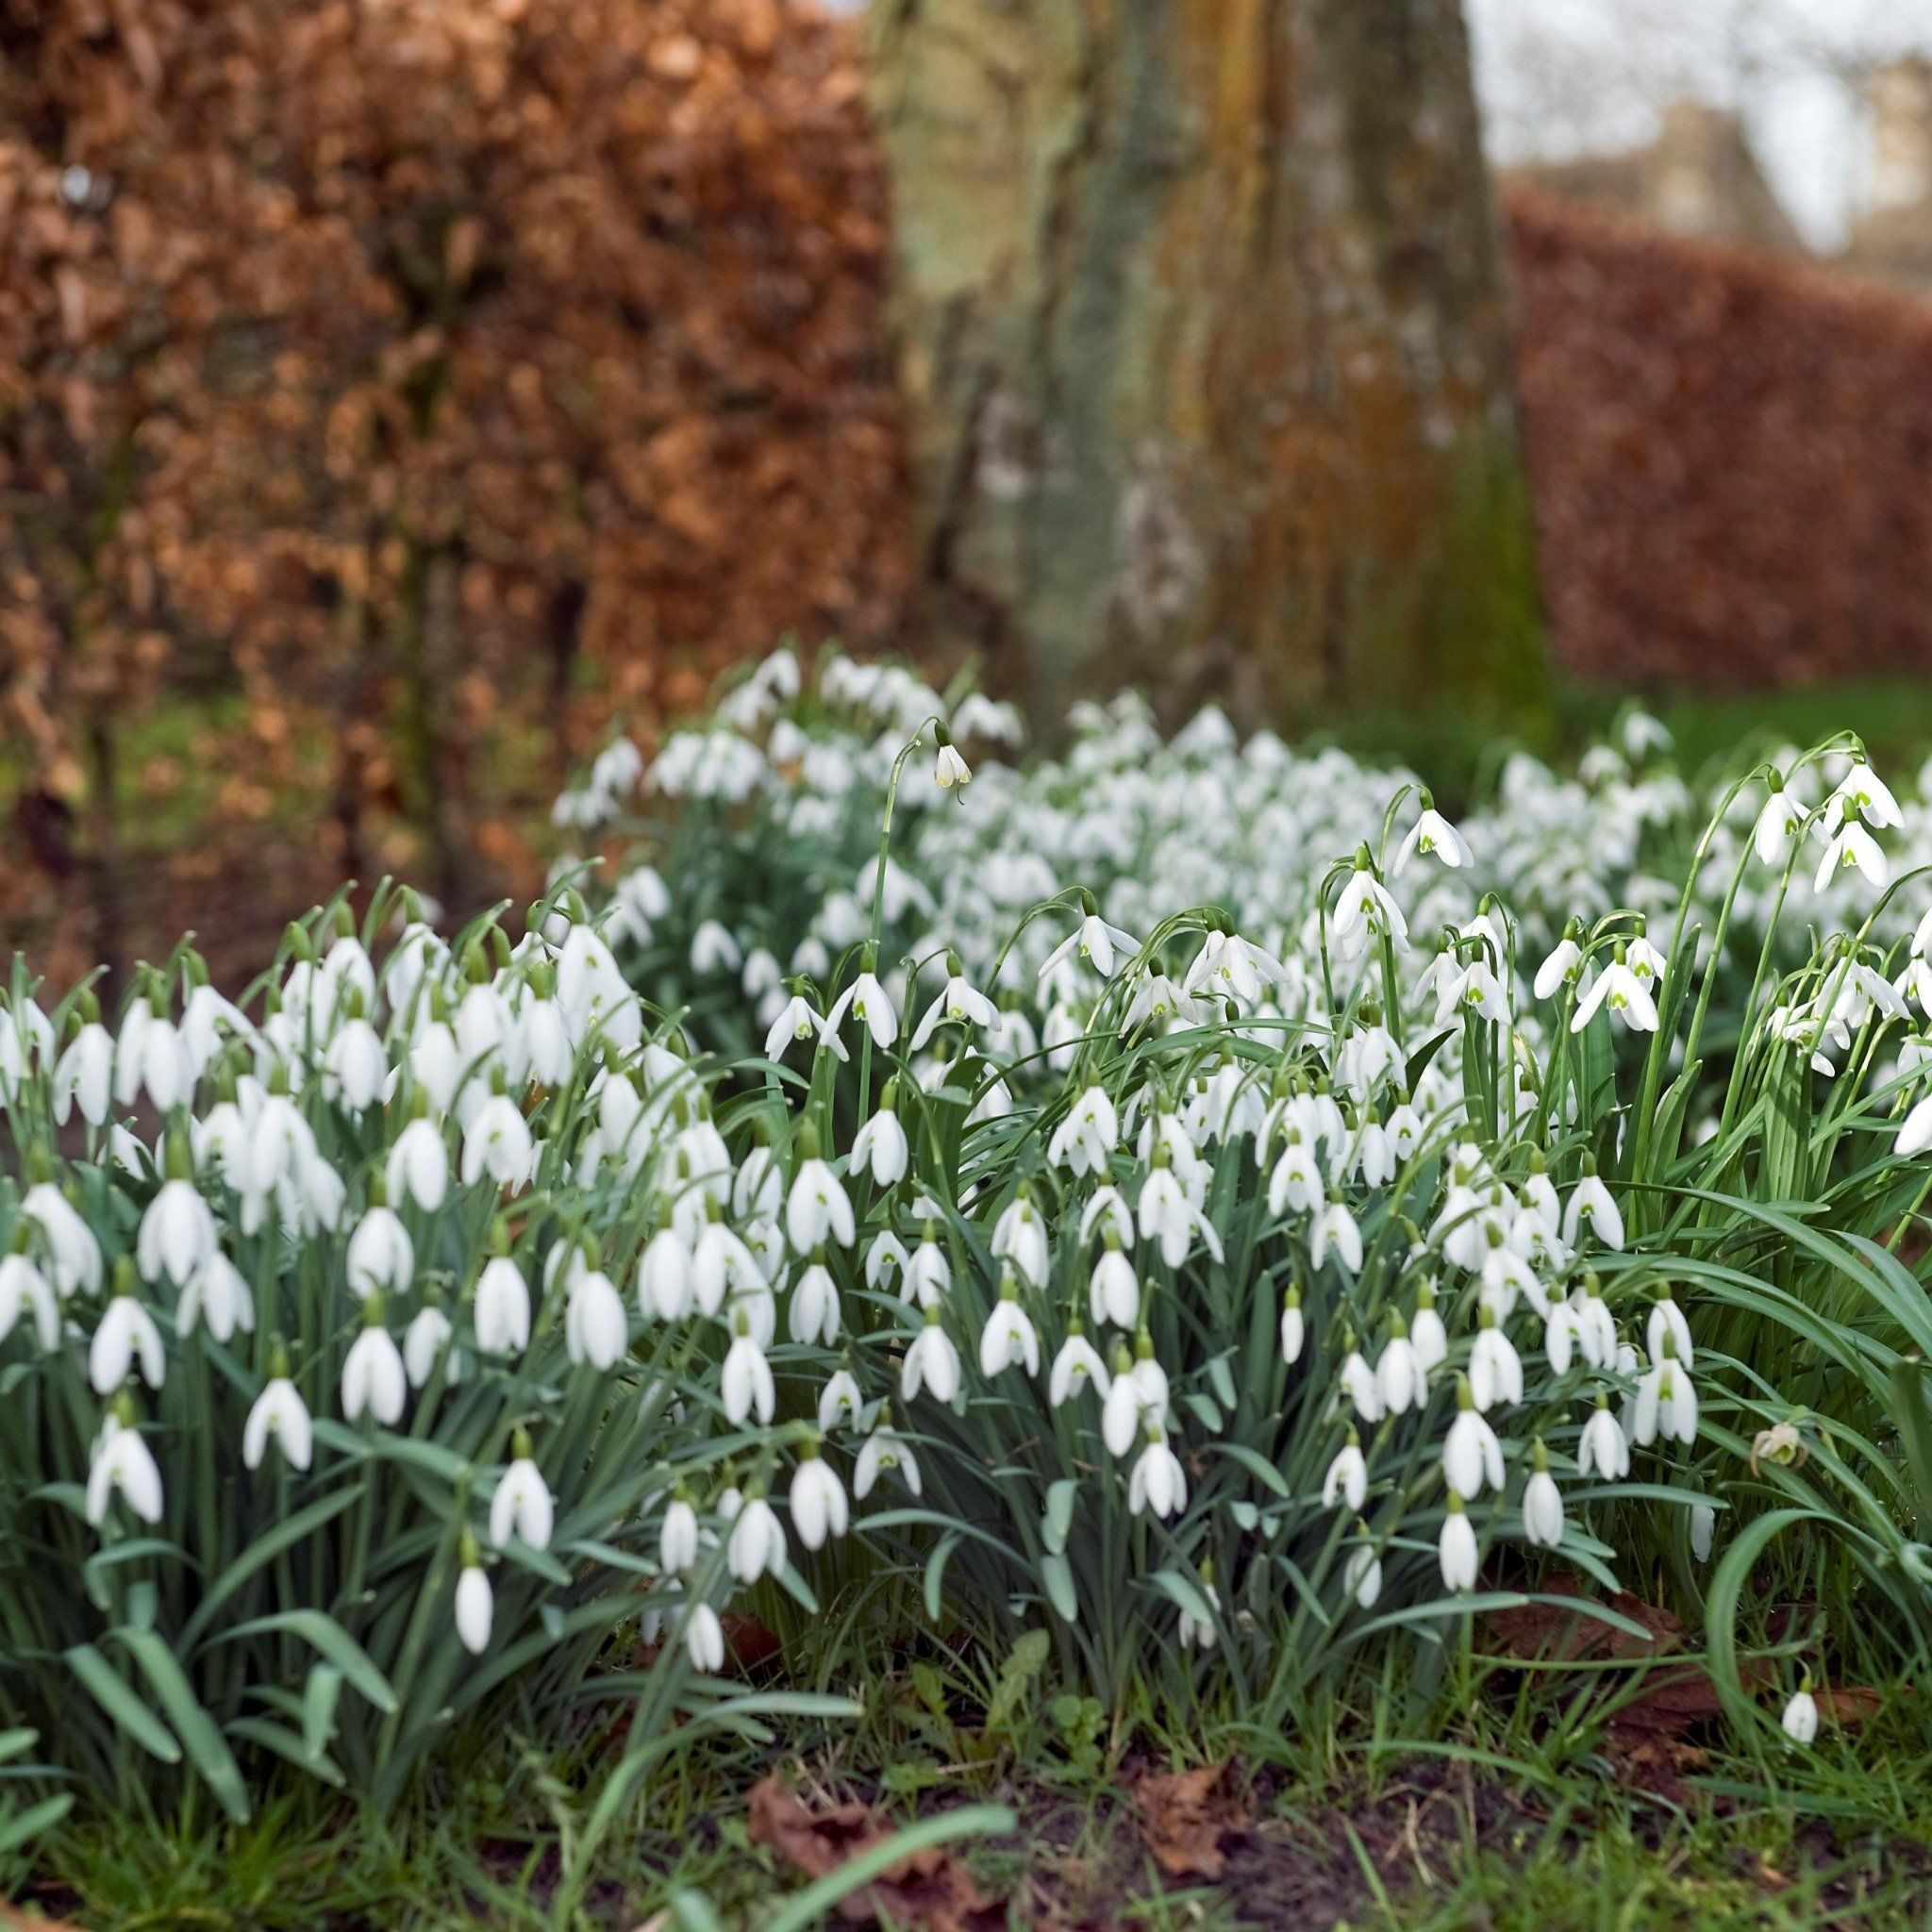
(217, 1294)
(1668, 1333)
(1458, 1549)
(1335, 1232)
(1077, 1366)
(1434, 837)
(1426, 1334)
(497, 1142)
(594, 1327)
(929, 1274)
(381, 1257)
(73, 1254)
(522, 1505)
(1009, 1339)
(949, 771)
(814, 1315)
(677, 1536)
(1400, 1378)
(1624, 992)
(1365, 912)
(126, 1334)
(121, 1465)
(1495, 1369)
(1019, 1237)
(958, 1004)
(1590, 1206)
(870, 1004)
(423, 1343)
(83, 1076)
(1095, 940)
(354, 1065)
(1778, 823)
(1602, 1449)
(280, 1416)
(744, 1384)
(664, 1284)
(1863, 792)
(817, 1207)
(1851, 846)
(1166, 1214)
(502, 1310)
(1563, 965)
(880, 1142)
(1703, 1530)
(883, 1450)
(373, 1378)
(1542, 1504)
(1359, 1385)
(1800, 1719)
(797, 1019)
(819, 1508)
(1157, 1481)
(418, 1166)
(1470, 1454)
(475, 1607)
(1347, 1480)
(704, 1639)
(1105, 1207)
(1666, 1403)
(1086, 1137)
(757, 1545)
(176, 1235)
(1113, 1291)
(1198, 1632)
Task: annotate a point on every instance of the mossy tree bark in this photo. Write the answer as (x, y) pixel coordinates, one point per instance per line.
(1202, 333)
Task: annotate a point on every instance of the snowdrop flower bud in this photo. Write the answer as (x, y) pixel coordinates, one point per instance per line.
(1703, 1530)
(373, 1378)
(1800, 1718)
(522, 1506)
(931, 1362)
(1458, 1548)
(1542, 1504)
(1347, 1480)
(1426, 1334)
(818, 1499)
(1293, 1329)
(704, 1639)
(122, 1463)
(883, 1450)
(1602, 1448)
(1077, 1366)
(278, 1415)
(476, 1608)
(1470, 1453)
(677, 1536)
(1008, 1337)
(1157, 1481)
(1361, 1575)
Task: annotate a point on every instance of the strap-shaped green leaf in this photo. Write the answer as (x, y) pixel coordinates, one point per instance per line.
(121, 1702)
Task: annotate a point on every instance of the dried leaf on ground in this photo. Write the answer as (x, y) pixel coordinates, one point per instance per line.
(1185, 1814)
(930, 1889)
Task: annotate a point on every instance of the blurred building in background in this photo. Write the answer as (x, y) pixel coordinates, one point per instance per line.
(1699, 178)
(1892, 235)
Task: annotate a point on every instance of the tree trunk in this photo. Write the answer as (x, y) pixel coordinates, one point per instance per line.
(1204, 346)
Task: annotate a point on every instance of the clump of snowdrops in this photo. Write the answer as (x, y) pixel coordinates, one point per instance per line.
(1270, 1210)
(331, 1423)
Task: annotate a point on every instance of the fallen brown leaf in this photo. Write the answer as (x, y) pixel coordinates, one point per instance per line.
(1849, 1705)
(930, 1889)
(1552, 1630)
(1185, 1814)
